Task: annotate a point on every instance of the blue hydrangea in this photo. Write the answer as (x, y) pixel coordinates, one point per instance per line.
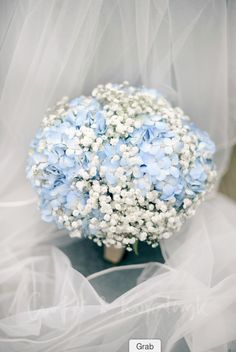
(78, 150)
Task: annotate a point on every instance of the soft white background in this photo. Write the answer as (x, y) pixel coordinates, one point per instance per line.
(48, 49)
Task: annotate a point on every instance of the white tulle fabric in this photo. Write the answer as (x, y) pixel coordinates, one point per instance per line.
(48, 49)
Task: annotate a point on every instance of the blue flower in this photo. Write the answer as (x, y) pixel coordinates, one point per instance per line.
(170, 187)
(152, 92)
(205, 143)
(75, 102)
(85, 160)
(111, 179)
(54, 155)
(81, 118)
(72, 200)
(52, 170)
(196, 178)
(37, 158)
(100, 123)
(59, 181)
(64, 174)
(65, 162)
(53, 137)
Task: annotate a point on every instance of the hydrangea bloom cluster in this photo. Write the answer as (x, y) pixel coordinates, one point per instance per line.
(120, 166)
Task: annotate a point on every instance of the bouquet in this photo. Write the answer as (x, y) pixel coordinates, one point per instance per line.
(120, 166)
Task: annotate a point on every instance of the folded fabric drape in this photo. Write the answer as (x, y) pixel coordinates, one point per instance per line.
(53, 48)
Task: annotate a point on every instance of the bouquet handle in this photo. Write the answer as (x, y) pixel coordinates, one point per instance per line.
(113, 255)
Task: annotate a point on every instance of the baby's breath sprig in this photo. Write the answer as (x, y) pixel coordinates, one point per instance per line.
(120, 166)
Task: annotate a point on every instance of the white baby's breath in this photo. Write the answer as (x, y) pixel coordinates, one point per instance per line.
(156, 169)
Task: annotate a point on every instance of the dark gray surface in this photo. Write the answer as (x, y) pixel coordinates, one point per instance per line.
(87, 257)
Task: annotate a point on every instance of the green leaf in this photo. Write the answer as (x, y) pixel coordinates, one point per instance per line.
(135, 247)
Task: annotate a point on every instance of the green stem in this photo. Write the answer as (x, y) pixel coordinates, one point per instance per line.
(135, 247)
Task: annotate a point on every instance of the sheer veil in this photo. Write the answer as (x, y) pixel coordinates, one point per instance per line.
(49, 49)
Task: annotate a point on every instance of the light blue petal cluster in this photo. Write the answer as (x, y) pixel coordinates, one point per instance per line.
(59, 167)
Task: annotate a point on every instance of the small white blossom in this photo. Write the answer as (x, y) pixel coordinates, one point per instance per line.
(125, 163)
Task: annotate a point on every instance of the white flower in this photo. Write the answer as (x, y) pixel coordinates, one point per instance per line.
(93, 171)
(143, 236)
(76, 233)
(134, 188)
(166, 235)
